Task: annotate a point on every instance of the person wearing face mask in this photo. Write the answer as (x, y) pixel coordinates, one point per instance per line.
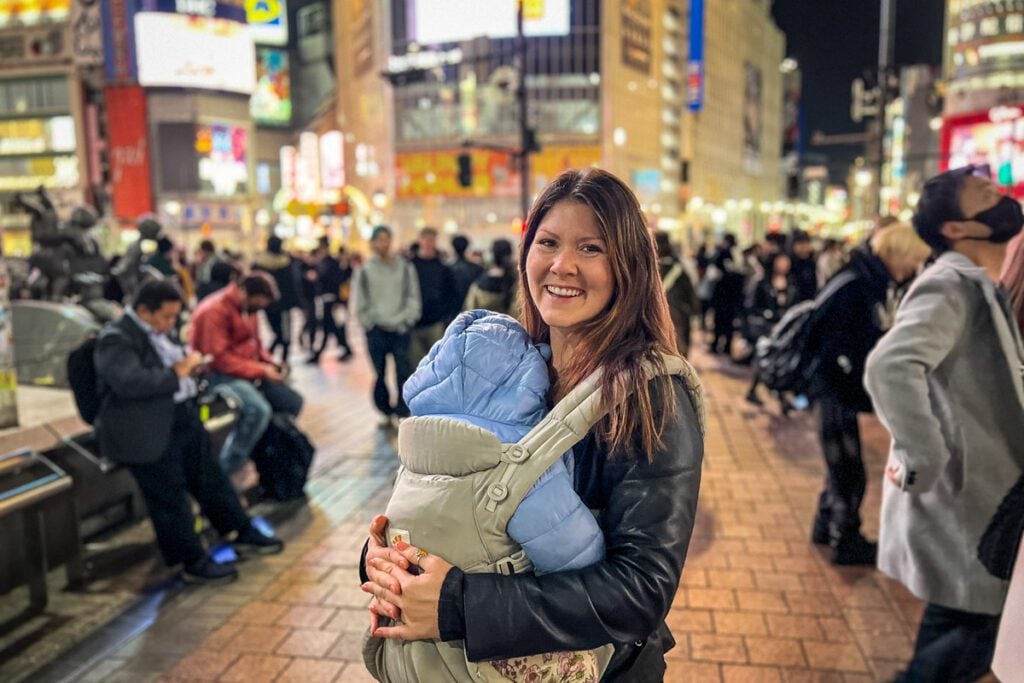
(851, 314)
(225, 326)
(947, 383)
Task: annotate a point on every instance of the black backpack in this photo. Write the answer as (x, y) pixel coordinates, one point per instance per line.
(83, 380)
(782, 359)
(283, 457)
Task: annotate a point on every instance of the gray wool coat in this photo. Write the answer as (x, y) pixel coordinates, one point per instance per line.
(947, 382)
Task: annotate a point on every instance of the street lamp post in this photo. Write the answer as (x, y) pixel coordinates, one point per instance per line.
(525, 134)
(886, 53)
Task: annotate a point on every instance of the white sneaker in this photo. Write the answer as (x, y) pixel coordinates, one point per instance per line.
(384, 421)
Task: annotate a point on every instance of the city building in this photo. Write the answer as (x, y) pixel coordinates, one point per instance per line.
(983, 117)
(48, 55)
(913, 122)
(734, 131)
(664, 93)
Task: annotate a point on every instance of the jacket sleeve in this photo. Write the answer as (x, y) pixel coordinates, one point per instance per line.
(119, 366)
(362, 305)
(554, 527)
(413, 307)
(927, 327)
(210, 335)
(648, 521)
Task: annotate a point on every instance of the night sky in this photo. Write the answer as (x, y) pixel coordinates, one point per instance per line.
(835, 41)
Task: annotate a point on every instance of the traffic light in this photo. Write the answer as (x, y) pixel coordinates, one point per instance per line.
(465, 170)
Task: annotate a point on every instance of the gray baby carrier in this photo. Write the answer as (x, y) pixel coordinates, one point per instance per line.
(457, 488)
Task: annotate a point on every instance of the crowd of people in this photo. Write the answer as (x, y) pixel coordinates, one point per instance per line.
(912, 324)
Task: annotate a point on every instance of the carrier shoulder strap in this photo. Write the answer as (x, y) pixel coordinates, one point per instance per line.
(565, 426)
(672, 276)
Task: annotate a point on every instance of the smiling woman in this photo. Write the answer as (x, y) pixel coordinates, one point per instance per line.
(589, 287)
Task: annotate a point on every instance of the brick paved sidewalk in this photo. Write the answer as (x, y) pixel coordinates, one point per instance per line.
(758, 602)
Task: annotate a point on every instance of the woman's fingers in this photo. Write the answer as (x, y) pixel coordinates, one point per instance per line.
(378, 528)
(393, 632)
(382, 609)
(389, 554)
(381, 593)
(377, 572)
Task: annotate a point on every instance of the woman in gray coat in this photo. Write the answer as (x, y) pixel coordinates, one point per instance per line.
(947, 382)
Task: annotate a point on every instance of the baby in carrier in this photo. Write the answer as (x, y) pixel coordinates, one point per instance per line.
(485, 374)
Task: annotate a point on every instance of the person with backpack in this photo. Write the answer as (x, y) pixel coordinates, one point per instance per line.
(225, 326)
(726, 274)
(591, 289)
(147, 419)
(387, 294)
(683, 303)
(495, 289)
(848, 318)
(773, 294)
(947, 382)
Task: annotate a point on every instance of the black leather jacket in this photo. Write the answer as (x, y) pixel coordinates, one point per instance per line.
(647, 512)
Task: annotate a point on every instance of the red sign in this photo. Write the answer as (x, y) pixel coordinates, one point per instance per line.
(128, 149)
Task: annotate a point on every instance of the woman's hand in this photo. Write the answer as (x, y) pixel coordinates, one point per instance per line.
(417, 596)
(378, 550)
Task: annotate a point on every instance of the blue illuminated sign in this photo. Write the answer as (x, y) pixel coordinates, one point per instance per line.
(695, 64)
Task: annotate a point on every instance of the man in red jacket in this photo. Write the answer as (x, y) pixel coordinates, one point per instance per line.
(225, 326)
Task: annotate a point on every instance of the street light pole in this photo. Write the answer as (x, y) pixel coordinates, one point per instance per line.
(886, 57)
(525, 138)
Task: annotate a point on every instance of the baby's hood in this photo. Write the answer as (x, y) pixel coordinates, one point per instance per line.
(484, 369)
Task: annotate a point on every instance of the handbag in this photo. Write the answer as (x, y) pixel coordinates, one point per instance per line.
(998, 547)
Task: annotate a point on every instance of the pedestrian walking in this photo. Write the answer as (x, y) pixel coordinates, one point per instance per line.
(285, 270)
(679, 291)
(440, 300)
(496, 288)
(464, 271)
(851, 317)
(387, 298)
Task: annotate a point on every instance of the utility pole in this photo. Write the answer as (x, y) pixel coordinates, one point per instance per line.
(886, 57)
(525, 134)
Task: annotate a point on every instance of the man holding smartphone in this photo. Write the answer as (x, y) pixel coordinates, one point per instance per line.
(225, 326)
(149, 421)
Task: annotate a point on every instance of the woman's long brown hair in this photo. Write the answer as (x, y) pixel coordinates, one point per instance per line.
(635, 327)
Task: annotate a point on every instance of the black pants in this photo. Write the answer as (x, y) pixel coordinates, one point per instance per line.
(380, 345)
(845, 479)
(330, 328)
(952, 646)
(280, 321)
(725, 328)
(187, 466)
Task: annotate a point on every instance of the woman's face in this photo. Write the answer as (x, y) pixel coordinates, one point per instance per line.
(782, 265)
(568, 268)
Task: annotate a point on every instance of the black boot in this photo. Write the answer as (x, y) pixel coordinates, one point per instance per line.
(853, 550)
(819, 532)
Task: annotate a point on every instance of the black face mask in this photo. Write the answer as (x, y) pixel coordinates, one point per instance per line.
(1005, 219)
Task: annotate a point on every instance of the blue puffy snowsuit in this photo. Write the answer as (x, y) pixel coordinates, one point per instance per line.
(486, 372)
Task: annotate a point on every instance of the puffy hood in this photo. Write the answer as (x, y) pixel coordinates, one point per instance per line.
(270, 261)
(485, 371)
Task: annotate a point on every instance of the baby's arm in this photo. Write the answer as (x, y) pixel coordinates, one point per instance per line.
(554, 527)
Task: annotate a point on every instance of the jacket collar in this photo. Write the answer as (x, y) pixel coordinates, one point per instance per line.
(1008, 334)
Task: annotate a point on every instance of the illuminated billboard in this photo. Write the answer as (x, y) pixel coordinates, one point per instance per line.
(268, 21)
(995, 138)
(452, 21)
(180, 51)
(271, 103)
(25, 13)
(221, 150)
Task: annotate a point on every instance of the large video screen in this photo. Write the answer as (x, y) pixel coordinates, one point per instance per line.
(998, 144)
(451, 21)
(271, 104)
(179, 51)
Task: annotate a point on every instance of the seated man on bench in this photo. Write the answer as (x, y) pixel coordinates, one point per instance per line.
(149, 422)
(225, 326)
